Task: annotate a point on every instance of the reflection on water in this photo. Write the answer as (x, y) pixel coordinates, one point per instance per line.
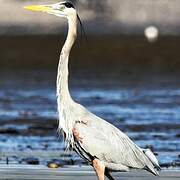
(148, 112)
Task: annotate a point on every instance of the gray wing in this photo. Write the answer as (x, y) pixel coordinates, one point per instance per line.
(106, 142)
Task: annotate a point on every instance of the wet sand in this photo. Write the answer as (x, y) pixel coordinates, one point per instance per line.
(74, 172)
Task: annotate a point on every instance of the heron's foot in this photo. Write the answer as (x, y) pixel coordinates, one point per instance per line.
(77, 135)
(99, 168)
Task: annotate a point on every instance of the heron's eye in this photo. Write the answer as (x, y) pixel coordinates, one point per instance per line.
(61, 8)
(68, 5)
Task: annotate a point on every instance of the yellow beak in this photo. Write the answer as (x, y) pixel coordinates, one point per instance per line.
(42, 8)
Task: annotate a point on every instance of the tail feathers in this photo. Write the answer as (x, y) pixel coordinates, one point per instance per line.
(149, 154)
(152, 170)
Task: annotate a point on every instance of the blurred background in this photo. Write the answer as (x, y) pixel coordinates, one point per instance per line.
(127, 72)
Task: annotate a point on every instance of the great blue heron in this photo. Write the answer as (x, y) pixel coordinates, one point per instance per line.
(103, 145)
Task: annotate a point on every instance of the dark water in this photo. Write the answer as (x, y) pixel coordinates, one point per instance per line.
(147, 109)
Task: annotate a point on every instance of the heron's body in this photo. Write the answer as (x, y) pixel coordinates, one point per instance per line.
(104, 141)
(94, 139)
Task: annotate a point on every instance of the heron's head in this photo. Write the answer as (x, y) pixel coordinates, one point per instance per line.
(62, 9)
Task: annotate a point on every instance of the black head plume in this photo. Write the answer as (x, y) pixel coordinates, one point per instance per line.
(70, 4)
(83, 33)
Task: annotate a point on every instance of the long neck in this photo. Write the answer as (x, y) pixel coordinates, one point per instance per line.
(62, 74)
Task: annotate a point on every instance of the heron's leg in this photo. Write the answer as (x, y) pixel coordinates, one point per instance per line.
(108, 175)
(99, 168)
(77, 135)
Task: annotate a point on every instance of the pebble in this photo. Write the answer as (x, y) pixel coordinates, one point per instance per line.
(9, 131)
(52, 165)
(31, 160)
(175, 163)
(55, 163)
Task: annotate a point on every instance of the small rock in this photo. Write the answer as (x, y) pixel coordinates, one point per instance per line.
(55, 163)
(9, 131)
(29, 147)
(166, 165)
(31, 160)
(176, 163)
(72, 162)
(97, 98)
(52, 165)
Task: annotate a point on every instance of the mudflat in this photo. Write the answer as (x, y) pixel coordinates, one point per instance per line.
(22, 172)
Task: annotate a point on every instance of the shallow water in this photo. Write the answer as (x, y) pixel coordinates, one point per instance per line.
(148, 112)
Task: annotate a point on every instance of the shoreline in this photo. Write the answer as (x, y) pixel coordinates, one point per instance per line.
(41, 158)
(23, 172)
